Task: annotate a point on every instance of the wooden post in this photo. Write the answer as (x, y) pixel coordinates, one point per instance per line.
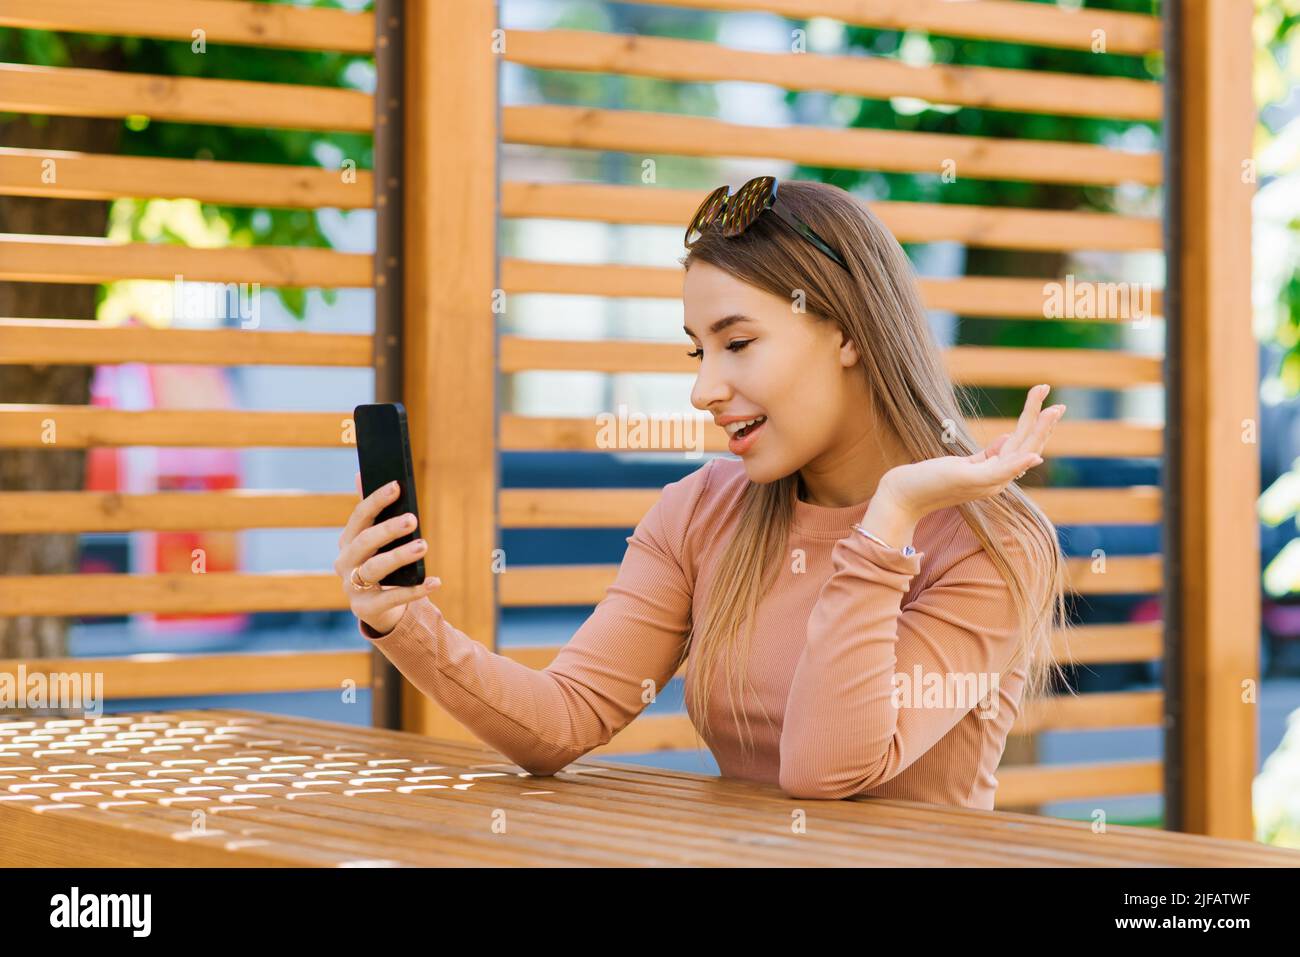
(1217, 463)
(389, 188)
(450, 356)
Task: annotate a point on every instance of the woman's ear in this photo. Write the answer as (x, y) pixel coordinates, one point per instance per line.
(848, 351)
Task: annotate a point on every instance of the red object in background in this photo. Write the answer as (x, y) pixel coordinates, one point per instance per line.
(104, 465)
(183, 470)
(135, 386)
(1282, 619)
(1148, 609)
(197, 552)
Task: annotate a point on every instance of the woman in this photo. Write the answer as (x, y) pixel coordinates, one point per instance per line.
(864, 582)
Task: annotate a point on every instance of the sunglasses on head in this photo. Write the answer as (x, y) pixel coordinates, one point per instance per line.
(736, 212)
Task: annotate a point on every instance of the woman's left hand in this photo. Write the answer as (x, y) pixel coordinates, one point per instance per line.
(923, 487)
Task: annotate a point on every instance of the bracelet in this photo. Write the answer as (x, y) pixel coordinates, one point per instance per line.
(907, 550)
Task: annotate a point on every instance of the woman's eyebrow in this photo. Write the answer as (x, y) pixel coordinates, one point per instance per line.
(722, 323)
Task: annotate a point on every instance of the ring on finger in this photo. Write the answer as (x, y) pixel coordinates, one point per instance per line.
(360, 583)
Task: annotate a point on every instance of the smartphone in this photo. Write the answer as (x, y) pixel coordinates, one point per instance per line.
(384, 455)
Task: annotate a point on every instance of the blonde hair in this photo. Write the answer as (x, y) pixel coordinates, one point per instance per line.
(877, 304)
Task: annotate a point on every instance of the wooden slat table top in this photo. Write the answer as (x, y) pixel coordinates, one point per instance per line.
(220, 787)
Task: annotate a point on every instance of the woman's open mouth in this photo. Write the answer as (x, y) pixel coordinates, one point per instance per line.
(743, 440)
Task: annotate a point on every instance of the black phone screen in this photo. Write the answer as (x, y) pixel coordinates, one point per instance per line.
(384, 455)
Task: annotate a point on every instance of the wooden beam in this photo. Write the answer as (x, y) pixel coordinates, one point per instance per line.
(80, 427)
(869, 77)
(968, 365)
(211, 593)
(157, 676)
(64, 174)
(1005, 20)
(46, 513)
(27, 426)
(389, 331)
(1090, 712)
(973, 225)
(1063, 713)
(222, 21)
(1018, 785)
(624, 507)
(969, 296)
(555, 585)
(1088, 644)
(73, 91)
(1124, 505)
(1218, 410)
(977, 157)
(92, 260)
(1099, 438)
(450, 278)
(74, 341)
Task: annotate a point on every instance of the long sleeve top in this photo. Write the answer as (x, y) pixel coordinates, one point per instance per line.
(867, 672)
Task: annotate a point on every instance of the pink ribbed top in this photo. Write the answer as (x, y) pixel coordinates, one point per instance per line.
(845, 617)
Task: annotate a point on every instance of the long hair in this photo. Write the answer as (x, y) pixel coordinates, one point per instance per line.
(877, 304)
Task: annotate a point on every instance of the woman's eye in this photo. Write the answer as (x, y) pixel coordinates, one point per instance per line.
(735, 346)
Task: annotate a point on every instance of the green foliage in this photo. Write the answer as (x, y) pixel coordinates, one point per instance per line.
(921, 117)
(242, 226)
(1276, 794)
(629, 92)
(931, 118)
(1277, 75)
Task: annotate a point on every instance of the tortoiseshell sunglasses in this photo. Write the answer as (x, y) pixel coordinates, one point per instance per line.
(736, 212)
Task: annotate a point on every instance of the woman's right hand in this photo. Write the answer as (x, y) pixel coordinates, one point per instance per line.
(381, 607)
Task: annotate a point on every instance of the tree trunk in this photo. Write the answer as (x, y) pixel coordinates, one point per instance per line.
(42, 469)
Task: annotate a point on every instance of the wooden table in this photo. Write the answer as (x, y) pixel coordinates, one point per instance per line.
(225, 787)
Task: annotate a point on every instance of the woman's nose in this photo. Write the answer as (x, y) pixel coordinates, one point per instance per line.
(707, 391)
